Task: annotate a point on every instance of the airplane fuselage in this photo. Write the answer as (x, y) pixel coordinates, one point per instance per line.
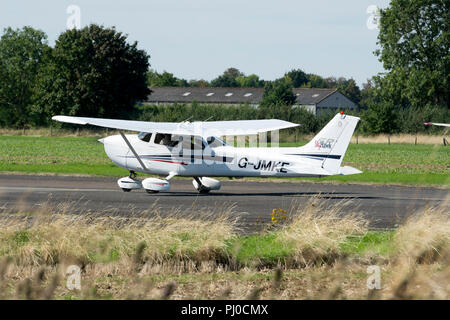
(221, 161)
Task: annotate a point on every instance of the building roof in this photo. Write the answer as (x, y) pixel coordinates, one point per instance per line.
(205, 95)
(304, 96)
(311, 96)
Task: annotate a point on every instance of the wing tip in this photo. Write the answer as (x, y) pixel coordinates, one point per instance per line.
(69, 119)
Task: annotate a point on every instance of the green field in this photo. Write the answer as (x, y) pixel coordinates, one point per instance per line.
(381, 163)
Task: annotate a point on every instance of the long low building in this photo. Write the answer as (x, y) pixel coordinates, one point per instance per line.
(314, 100)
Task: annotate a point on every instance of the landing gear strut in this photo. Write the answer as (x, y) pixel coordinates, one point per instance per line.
(132, 175)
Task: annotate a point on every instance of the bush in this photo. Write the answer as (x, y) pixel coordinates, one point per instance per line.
(411, 120)
(380, 118)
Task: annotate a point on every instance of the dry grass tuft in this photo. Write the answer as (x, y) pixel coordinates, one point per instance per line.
(316, 232)
(184, 255)
(49, 239)
(399, 138)
(425, 236)
(421, 268)
(56, 132)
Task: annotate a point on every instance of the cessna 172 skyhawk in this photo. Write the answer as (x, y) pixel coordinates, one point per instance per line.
(195, 149)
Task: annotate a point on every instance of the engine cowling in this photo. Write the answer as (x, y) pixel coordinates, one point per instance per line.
(207, 184)
(128, 184)
(155, 185)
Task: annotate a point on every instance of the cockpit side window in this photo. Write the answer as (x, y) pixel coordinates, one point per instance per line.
(145, 136)
(166, 139)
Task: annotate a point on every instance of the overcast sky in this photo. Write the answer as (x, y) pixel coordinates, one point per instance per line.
(199, 39)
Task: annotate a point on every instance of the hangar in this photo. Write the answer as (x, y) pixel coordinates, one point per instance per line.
(313, 99)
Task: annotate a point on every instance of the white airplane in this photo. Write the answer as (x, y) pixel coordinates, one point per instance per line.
(195, 149)
(437, 124)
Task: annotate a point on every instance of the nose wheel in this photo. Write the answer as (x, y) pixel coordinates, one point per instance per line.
(129, 183)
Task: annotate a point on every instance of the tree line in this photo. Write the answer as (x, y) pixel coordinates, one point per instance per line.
(234, 78)
(96, 72)
(92, 72)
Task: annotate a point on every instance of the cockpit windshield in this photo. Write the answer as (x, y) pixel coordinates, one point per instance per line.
(145, 136)
(215, 142)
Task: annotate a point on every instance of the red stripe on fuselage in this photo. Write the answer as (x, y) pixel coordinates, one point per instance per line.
(168, 161)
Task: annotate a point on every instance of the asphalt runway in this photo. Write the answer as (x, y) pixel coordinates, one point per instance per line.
(252, 201)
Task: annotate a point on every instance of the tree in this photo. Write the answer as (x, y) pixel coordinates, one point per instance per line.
(227, 79)
(297, 77)
(415, 43)
(315, 81)
(93, 72)
(350, 89)
(278, 93)
(368, 94)
(21, 52)
(166, 79)
(198, 83)
(250, 81)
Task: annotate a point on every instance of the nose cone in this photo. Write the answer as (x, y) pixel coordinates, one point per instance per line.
(116, 150)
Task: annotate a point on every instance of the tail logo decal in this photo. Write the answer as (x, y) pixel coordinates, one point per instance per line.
(324, 143)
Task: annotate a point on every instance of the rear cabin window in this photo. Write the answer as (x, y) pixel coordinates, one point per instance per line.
(192, 143)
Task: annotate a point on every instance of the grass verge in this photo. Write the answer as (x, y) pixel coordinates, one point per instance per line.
(313, 253)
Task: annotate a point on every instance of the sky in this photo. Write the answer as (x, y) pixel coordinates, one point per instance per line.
(199, 39)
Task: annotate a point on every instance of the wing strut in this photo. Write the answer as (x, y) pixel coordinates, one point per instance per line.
(132, 150)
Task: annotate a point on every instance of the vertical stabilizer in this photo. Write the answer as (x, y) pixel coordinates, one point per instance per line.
(331, 143)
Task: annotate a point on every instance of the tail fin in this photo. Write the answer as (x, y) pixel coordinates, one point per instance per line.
(331, 142)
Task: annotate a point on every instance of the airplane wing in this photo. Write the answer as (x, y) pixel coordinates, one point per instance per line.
(203, 128)
(437, 124)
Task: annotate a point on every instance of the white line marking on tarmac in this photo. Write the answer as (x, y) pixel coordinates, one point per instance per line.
(345, 196)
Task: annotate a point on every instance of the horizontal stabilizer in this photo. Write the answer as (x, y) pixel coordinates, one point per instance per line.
(345, 171)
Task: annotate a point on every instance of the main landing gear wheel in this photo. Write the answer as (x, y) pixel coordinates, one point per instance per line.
(203, 190)
(200, 187)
